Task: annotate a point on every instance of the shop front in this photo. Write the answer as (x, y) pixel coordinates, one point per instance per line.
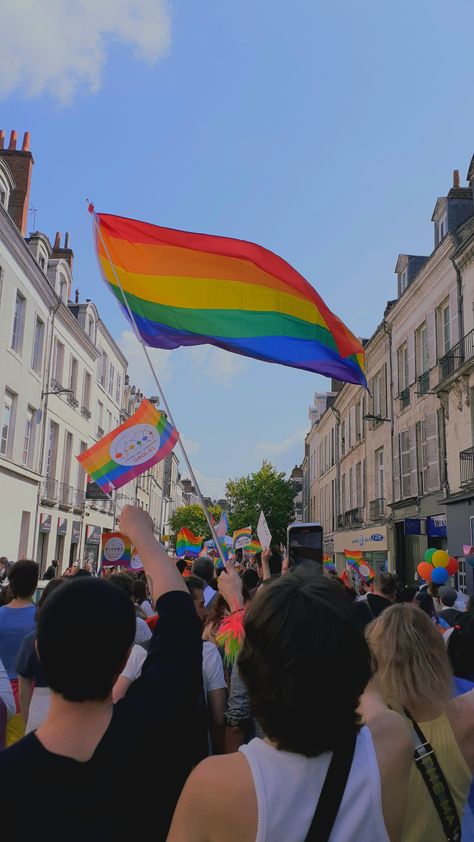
(372, 541)
(91, 545)
(460, 525)
(418, 525)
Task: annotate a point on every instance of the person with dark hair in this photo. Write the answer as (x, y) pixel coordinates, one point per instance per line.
(448, 597)
(406, 593)
(305, 664)
(382, 595)
(87, 745)
(142, 631)
(181, 565)
(33, 689)
(17, 618)
(203, 567)
(140, 597)
(425, 601)
(52, 570)
(250, 578)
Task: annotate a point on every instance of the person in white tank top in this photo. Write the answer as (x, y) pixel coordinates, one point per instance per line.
(306, 664)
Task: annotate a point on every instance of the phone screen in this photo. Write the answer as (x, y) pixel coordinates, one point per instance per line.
(305, 543)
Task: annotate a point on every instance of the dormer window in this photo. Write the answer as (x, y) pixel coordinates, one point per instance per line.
(7, 185)
(42, 262)
(404, 280)
(63, 289)
(442, 228)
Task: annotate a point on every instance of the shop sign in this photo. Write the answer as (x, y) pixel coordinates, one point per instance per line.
(62, 525)
(45, 523)
(412, 526)
(93, 534)
(76, 531)
(371, 540)
(436, 526)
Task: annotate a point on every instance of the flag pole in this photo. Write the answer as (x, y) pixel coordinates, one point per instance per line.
(158, 386)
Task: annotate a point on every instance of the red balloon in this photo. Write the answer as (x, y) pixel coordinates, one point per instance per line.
(425, 570)
(453, 565)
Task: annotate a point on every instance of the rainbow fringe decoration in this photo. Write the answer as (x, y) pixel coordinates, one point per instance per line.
(194, 289)
(187, 543)
(230, 636)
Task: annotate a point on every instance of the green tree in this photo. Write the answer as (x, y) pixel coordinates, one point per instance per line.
(193, 518)
(265, 489)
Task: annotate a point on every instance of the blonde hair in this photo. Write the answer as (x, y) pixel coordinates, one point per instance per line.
(410, 658)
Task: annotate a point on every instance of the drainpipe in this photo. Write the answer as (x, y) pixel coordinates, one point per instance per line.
(388, 331)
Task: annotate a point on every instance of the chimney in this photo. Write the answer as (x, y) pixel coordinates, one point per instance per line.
(76, 297)
(456, 182)
(57, 241)
(63, 252)
(66, 240)
(20, 163)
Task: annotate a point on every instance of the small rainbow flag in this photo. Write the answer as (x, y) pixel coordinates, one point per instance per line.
(128, 451)
(187, 543)
(328, 563)
(193, 289)
(241, 538)
(356, 561)
(254, 547)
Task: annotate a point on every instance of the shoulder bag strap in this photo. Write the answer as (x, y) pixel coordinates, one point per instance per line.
(427, 764)
(331, 794)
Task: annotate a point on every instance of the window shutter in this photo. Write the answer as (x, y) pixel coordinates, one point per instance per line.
(395, 373)
(405, 459)
(383, 391)
(453, 315)
(411, 358)
(396, 468)
(432, 452)
(413, 462)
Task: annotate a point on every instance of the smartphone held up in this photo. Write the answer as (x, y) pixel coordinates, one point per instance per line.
(305, 543)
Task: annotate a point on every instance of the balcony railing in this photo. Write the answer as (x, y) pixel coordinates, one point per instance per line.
(79, 498)
(377, 508)
(100, 432)
(354, 517)
(72, 401)
(405, 398)
(85, 412)
(457, 356)
(424, 383)
(65, 493)
(466, 465)
(55, 385)
(49, 491)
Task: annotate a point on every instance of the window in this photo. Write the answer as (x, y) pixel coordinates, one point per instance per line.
(377, 394)
(7, 425)
(109, 420)
(18, 322)
(67, 457)
(63, 289)
(118, 390)
(343, 494)
(403, 367)
(73, 369)
(403, 280)
(86, 391)
(422, 358)
(28, 441)
(101, 414)
(379, 474)
(111, 378)
(359, 496)
(4, 193)
(81, 474)
(351, 484)
(446, 329)
(442, 226)
(38, 342)
(42, 261)
(58, 364)
(52, 449)
(91, 328)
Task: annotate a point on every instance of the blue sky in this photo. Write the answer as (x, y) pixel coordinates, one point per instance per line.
(322, 131)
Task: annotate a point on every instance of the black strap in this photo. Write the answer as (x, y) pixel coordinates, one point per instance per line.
(331, 794)
(427, 764)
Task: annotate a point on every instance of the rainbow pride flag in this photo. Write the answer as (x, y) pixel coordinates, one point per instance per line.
(129, 450)
(328, 563)
(193, 289)
(242, 538)
(357, 562)
(187, 543)
(254, 547)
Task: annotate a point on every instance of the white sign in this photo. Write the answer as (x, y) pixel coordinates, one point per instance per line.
(242, 541)
(263, 532)
(136, 562)
(114, 549)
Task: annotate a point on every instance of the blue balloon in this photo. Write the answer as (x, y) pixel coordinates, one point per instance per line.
(439, 576)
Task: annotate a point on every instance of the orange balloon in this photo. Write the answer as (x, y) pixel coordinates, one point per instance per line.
(425, 570)
(440, 558)
(453, 565)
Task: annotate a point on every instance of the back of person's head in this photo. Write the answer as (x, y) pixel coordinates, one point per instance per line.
(123, 581)
(52, 585)
(204, 568)
(139, 590)
(385, 584)
(23, 578)
(84, 633)
(274, 563)
(305, 662)
(250, 578)
(461, 647)
(194, 583)
(411, 658)
(448, 596)
(424, 600)
(406, 593)
(81, 571)
(181, 565)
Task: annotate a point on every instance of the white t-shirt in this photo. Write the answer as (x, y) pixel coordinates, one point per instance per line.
(146, 608)
(212, 669)
(142, 631)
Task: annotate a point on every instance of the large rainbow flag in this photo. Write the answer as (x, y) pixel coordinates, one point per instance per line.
(129, 450)
(190, 289)
(187, 543)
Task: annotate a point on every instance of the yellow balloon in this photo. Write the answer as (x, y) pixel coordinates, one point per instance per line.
(440, 558)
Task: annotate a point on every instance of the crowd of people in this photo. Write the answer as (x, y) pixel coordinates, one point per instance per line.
(343, 714)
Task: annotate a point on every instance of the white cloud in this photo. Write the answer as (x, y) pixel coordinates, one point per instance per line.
(276, 448)
(138, 368)
(216, 364)
(59, 47)
(210, 486)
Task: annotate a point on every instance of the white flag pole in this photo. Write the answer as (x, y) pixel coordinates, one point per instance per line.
(158, 386)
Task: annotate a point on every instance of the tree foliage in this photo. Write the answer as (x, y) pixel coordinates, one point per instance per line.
(193, 518)
(265, 489)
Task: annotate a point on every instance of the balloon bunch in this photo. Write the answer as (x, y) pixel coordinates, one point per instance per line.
(437, 567)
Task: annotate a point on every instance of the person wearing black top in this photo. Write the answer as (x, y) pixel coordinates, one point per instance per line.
(91, 753)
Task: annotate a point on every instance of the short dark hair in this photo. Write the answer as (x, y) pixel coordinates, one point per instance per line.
(47, 591)
(139, 590)
(461, 647)
(181, 565)
(123, 581)
(204, 568)
(250, 578)
(305, 662)
(23, 578)
(195, 583)
(85, 630)
(386, 583)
